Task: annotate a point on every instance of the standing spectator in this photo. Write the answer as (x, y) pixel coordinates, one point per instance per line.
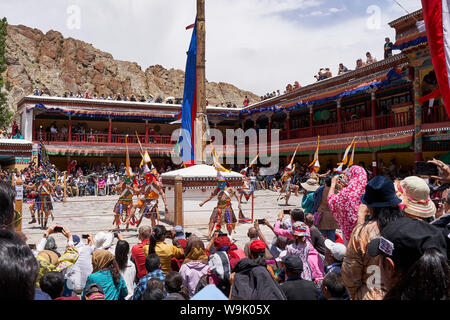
(94, 292)
(137, 252)
(18, 266)
(78, 273)
(101, 186)
(413, 261)
(322, 215)
(195, 263)
(296, 288)
(334, 255)
(126, 267)
(7, 213)
(379, 207)
(317, 238)
(312, 262)
(309, 187)
(344, 204)
(388, 48)
(246, 101)
(107, 274)
(165, 251)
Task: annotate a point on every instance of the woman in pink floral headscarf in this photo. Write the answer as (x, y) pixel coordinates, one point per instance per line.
(344, 205)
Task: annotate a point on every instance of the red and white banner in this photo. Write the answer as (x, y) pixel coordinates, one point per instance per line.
(437, 23)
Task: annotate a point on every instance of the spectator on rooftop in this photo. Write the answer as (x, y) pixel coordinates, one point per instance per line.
(388, 48)
(342, 69)
(359, 64)
(370, 59)
(119, 97)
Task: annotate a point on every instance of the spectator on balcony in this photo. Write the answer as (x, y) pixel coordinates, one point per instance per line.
(125, 98)
(150, 98)
(370, 59)
(159, 99)
(86, 95)
(388, 48)
(79, 95)
(133, 98)
(342, 69)
(359, 64)
(36, 92)
(109, 97)
(102, 97)
(119, 97)
(64, 131)
(95, 96)
(278, 93)
(142, 99)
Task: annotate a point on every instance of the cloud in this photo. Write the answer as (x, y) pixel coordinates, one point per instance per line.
(257, 45)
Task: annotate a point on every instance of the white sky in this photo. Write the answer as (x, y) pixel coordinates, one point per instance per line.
(257, 45)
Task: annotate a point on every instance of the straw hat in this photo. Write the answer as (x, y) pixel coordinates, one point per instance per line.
(310, 185)
(415, 195)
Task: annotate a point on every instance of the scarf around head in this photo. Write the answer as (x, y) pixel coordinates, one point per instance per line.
(195, 250)
(101, 259)
(345, 204)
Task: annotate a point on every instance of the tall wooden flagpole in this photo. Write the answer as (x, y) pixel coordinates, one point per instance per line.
(200, 122)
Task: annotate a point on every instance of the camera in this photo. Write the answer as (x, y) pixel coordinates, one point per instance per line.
(84, 236)
(116, 233)
(260, 221)
(57, 229)
(287, 211)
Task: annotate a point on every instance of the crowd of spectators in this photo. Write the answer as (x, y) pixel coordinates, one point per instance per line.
(348, 226)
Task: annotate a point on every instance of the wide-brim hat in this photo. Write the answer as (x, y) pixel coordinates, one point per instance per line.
(103, 240)
(415, 195)
(310, 185)
(380, 192)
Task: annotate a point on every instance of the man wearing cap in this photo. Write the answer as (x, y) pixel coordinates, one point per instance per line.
(409, 249)
(295, 288)
(82, 268)
(334, 255)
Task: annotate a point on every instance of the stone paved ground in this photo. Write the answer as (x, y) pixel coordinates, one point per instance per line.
(93, 214)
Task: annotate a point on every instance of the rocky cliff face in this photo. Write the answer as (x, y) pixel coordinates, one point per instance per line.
(56, 64)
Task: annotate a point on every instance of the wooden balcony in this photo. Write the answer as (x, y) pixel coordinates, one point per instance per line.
(102, 139)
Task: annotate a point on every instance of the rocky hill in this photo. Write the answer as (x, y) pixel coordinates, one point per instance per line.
(56, 64)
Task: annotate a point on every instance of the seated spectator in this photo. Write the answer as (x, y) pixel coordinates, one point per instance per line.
(174, 287)
(52, 283)
(370, 59)
(107, 274)
(359, 64)
(195, 263)
(221, 242)
(328, 73)
(18, 267)
(296, 288)
(342, 69)
(408, 250)
(119, 97)
(296, 85)
(334, 255)
(333, 288)
(153, 267)
(257, 254)
(94, 292)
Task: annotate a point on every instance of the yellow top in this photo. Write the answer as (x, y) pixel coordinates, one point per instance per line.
(165, 252)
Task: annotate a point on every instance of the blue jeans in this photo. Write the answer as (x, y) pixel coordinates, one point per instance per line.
(329, 234)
